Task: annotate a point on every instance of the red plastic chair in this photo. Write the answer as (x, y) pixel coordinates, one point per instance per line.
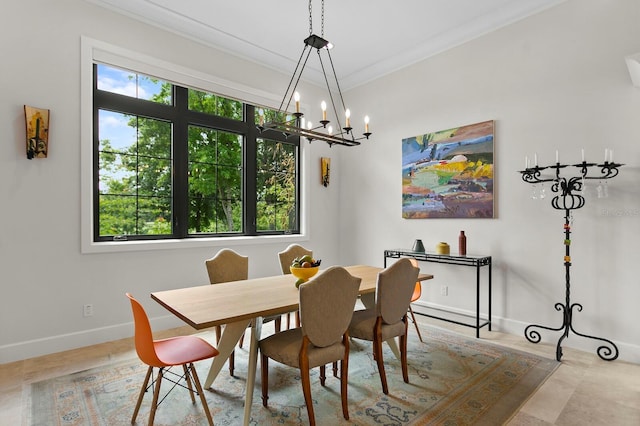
(417, 292)
(164, 354)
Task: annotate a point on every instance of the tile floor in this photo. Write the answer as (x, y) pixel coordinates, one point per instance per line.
(584, 390)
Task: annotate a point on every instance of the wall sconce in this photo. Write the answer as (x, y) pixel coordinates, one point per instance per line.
(325, 170)
(37, 125)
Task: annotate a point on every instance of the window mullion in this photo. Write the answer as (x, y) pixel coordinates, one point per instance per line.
(250, 165)
(180, 146)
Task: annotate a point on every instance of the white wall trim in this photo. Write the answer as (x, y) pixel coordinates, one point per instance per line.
(63, 342)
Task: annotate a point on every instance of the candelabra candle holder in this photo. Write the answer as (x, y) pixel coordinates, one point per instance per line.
(570, 196)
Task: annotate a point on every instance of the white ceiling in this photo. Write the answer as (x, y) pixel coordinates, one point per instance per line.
(371, 37)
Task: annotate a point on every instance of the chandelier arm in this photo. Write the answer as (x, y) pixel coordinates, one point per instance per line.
(336, 77)
(297, 72)
(326, 79)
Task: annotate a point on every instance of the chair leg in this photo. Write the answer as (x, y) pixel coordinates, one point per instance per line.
(323, 374)
(278, 324)
(306, 391)
(264, 372)
(187, 377)
(297, 318)
(288, 319)
(154, 403)
(303, 361)
(203, 399)
(232, 362)
(377, 354)
(142, 392)
(403, 351)
(335, 369)
(413, 318)
(344, 374)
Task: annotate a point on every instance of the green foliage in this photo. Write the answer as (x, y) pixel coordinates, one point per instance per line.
(136, 183)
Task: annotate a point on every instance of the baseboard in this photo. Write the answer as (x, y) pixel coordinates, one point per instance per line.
(53, 344)
(32, 348)
(627, 352)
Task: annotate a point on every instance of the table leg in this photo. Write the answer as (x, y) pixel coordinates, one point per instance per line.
(256, 330)
(369, 302)
(231, 334)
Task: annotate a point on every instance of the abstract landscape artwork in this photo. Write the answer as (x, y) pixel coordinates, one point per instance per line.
(449, 173)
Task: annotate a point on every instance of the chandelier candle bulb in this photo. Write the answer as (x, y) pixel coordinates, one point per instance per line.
(535, 159)
(606, 153)
(366, 124)
(323, 105)
(296, 97)
(347, 114)
(583, 155)
(611, 156)
(557, 157)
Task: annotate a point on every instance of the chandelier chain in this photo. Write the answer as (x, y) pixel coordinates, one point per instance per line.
(322, 21)
(310, 19)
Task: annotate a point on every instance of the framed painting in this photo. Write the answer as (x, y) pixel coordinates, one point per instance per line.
(449, 173)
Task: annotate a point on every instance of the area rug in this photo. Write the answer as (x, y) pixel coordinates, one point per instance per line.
(454, 380)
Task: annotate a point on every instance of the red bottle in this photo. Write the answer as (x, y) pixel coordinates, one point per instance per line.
(462, 244)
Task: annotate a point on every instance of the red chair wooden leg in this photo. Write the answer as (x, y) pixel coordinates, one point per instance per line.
(142, 392)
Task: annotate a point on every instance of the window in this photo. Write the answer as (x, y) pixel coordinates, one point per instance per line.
(171, 161)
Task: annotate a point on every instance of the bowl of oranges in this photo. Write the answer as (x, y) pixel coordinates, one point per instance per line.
(304, 268)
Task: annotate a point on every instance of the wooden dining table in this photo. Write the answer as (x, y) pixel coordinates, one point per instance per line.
(240, 304)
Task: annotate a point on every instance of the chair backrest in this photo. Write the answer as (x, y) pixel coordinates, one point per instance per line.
(290, 253)
(227, 265)
(326, 305)
(394, 290)
(143, 335)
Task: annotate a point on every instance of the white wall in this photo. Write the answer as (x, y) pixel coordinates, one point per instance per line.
(557, 80)
(46, 278)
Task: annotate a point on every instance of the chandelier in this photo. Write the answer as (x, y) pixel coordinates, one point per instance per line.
(295, 124)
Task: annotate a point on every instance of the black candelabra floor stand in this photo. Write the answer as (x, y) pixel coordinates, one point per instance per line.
(570, 196)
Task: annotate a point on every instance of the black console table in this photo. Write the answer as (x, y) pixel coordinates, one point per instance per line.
(469, 260)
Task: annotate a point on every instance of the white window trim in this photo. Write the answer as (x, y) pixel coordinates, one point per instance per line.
(98, 51)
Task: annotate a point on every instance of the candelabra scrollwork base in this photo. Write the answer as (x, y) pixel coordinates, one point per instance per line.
(570, 196)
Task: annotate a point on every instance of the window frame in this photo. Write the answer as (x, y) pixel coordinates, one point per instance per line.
(94, 51)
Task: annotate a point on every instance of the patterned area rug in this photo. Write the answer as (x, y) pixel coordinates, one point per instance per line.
(454, 380)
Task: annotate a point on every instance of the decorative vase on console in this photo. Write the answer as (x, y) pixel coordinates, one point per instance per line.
(462, 244)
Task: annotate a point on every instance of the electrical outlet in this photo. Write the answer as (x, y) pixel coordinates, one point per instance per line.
(87, 310)
(444, 290)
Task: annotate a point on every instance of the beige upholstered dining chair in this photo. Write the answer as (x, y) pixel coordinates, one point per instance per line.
(227, 265)
(388, 319)
(286, 258)
(326, 306)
